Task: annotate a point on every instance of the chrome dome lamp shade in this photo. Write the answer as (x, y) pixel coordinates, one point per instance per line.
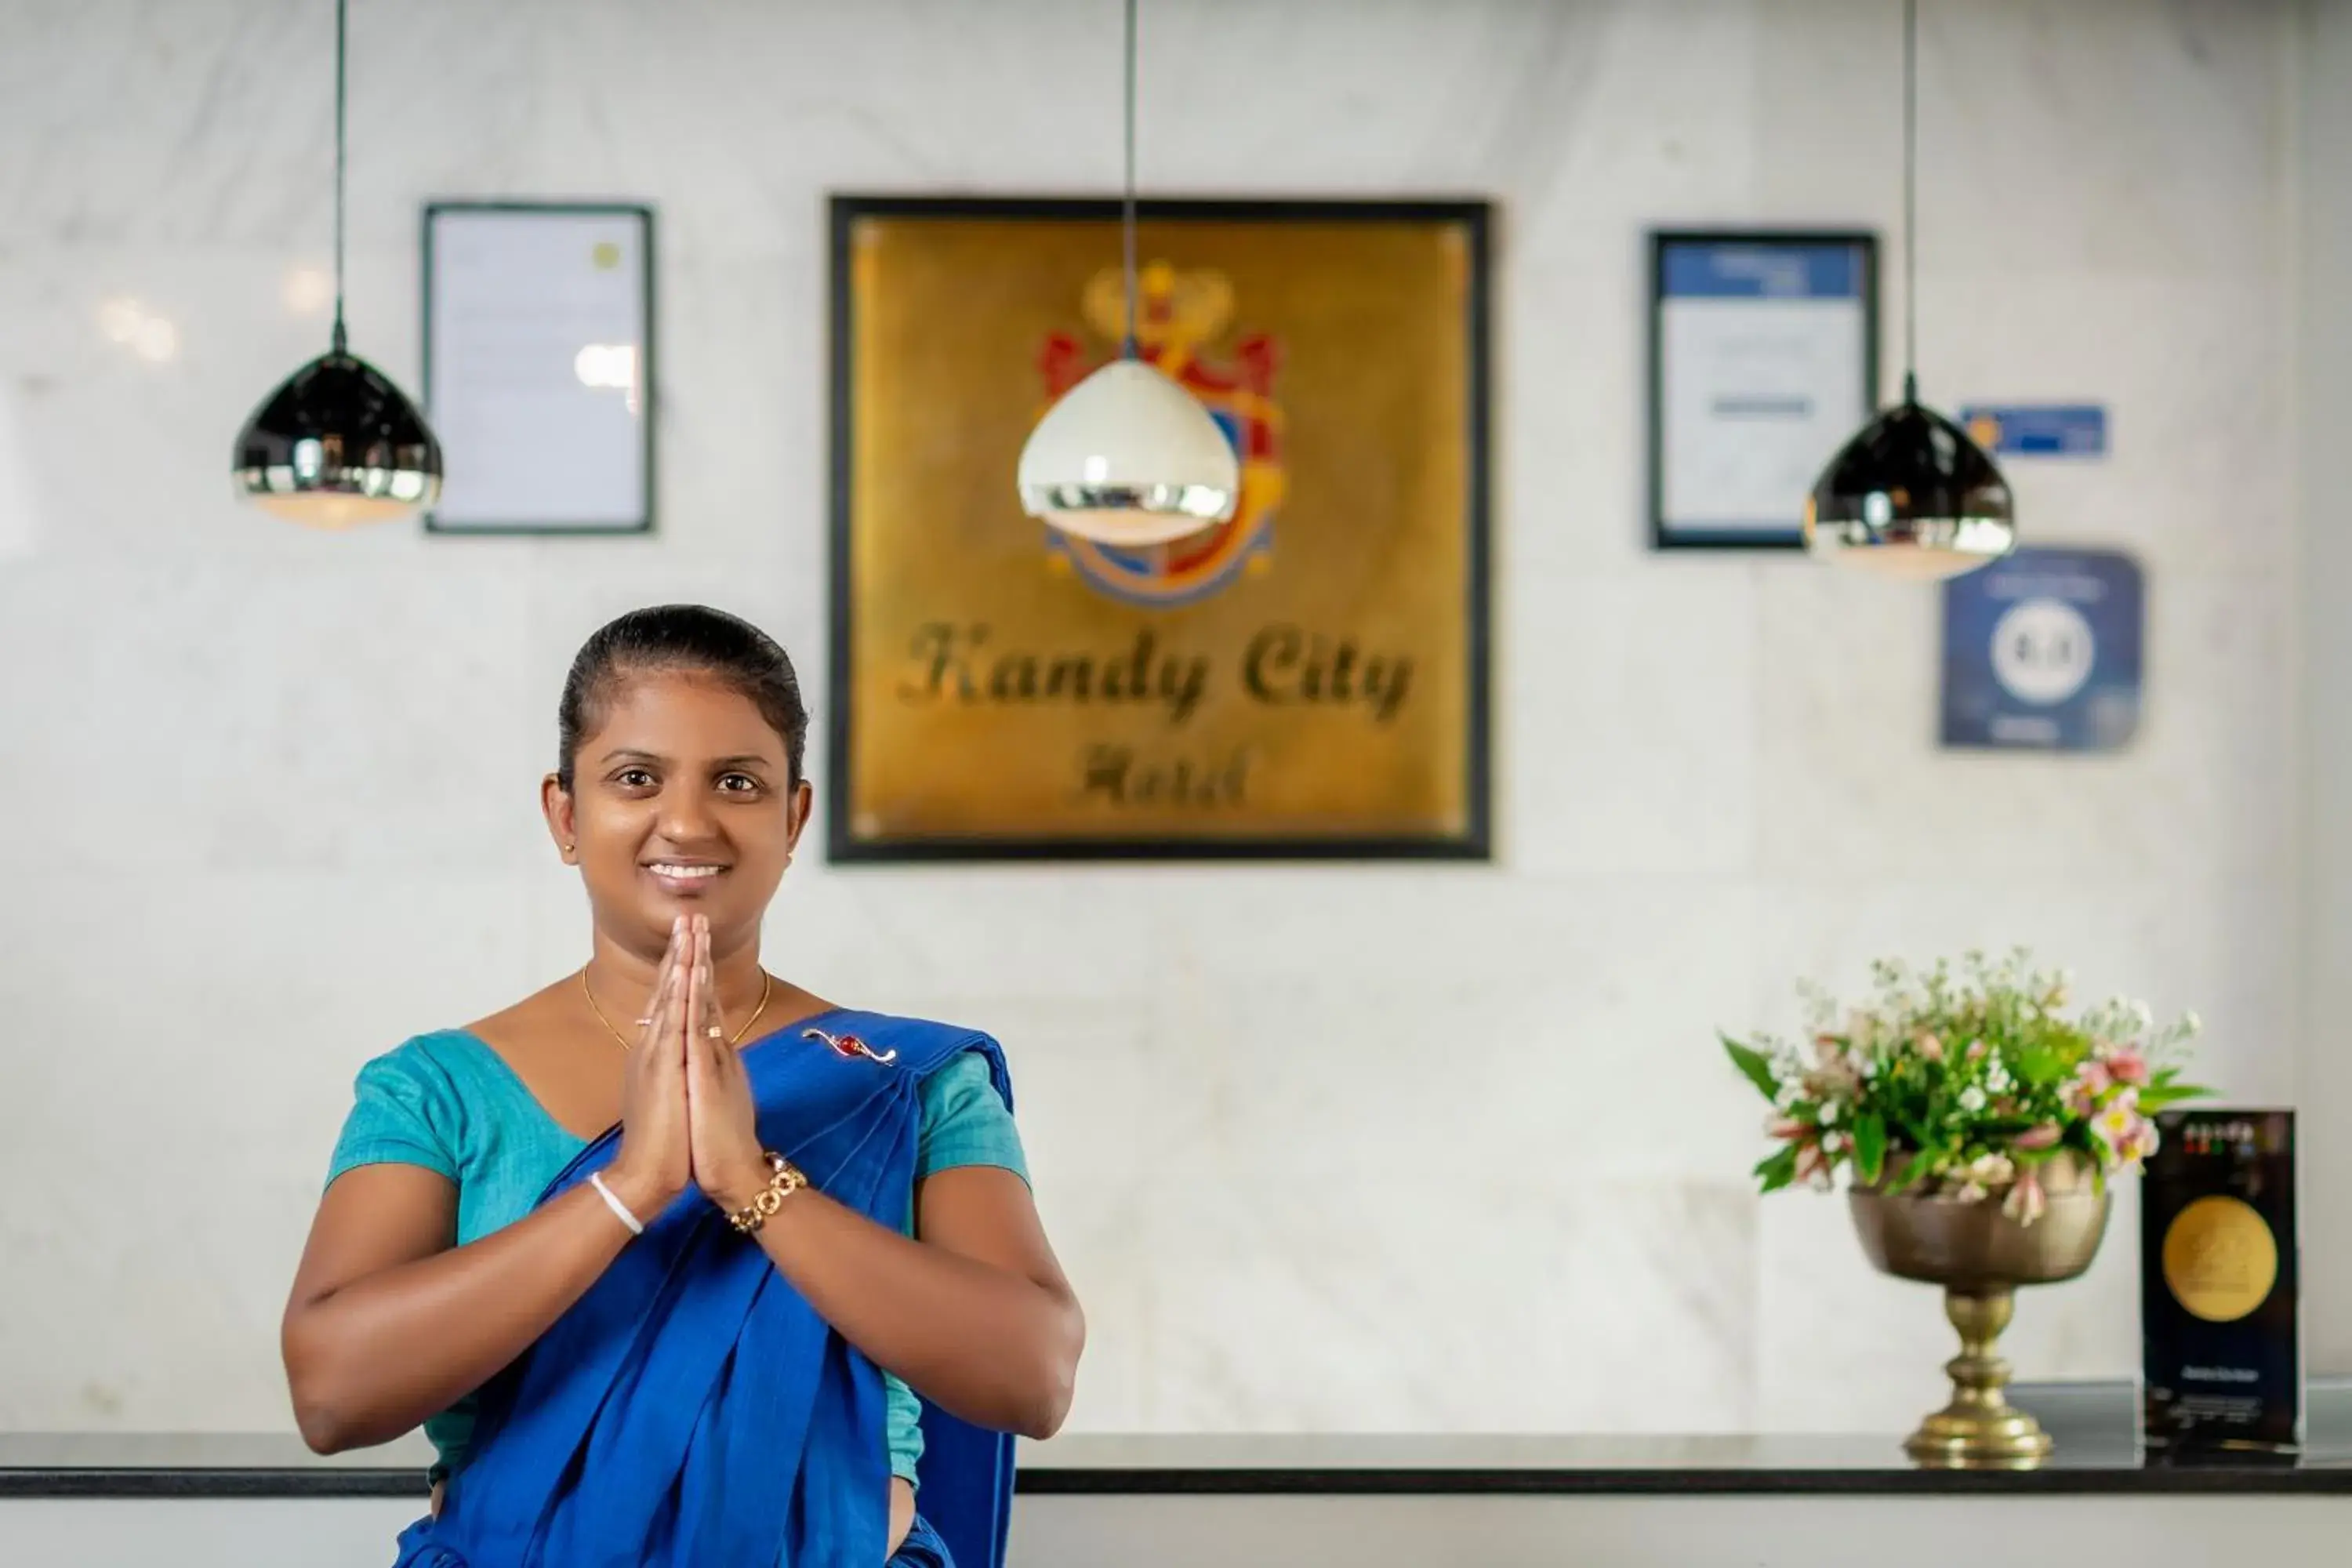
(1911, 496)
(338, 445)
(1127, 457)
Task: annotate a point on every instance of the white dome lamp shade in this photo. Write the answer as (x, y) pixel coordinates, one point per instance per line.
(1911, 496)
(338, 444)
(1127, 457)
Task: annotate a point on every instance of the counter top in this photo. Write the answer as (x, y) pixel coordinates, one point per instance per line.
(2097, 1452)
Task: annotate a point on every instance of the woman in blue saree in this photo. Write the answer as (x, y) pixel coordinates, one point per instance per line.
(665, 1288)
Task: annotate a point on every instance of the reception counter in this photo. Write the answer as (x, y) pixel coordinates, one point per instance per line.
(1146, 1501)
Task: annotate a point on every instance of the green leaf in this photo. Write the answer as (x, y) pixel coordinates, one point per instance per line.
(2036, 1065)
(1909, 1172)
(1753, 1063)
(2155, 1098)
(1780, 1169)
(1869, 1145)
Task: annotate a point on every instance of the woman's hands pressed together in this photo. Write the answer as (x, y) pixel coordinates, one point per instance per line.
(688, 1118)
(656, 1161)
(730, 1166)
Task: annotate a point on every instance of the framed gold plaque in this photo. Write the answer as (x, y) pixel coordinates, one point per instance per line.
(1308, 680)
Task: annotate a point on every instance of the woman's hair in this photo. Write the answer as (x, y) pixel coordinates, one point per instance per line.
(686, 638)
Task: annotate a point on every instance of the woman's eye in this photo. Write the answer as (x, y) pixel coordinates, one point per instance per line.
(738, 784)
(634, 778)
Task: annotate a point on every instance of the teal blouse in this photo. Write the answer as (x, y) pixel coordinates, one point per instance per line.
(450, 1103)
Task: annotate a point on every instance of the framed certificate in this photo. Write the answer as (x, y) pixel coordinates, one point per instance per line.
(539, 347)
(1763, 361)
(1305, 680)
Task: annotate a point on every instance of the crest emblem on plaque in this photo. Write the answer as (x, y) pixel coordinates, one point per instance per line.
(1181, 313)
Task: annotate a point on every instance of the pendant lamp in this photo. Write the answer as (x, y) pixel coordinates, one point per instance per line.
(1911, 496)
(338, 444)
(1128, 457)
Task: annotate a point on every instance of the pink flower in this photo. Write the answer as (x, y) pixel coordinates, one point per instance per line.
(2145, 1140)
(1976, 1050)
(1785, 1126)
(2091, 1080)
(2125, 1064)
(1812, 1165)
(2123, 1129)
(2026, 1200)
(2041, 1137)
(1930, 1048)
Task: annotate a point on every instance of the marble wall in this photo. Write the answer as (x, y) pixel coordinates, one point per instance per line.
(2324, 350)
(1331, 1147)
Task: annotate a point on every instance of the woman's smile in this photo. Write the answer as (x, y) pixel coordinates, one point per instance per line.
(681, 877)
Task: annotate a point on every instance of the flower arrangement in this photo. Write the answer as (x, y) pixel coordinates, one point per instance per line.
(1974, 1081)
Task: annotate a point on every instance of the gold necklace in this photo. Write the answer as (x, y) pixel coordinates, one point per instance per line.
(767, 986)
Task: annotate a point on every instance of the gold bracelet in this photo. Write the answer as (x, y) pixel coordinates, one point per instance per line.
(786, 1181)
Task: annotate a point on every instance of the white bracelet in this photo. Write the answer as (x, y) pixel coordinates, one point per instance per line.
(596, 1180)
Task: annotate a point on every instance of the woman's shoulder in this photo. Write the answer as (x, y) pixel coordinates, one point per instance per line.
(935, 1041)
(959, 1063)
(409, 1107)
(437, 1059)
(435, 1079)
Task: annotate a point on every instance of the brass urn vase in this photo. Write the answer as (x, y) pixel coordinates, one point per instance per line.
(1979, 1256)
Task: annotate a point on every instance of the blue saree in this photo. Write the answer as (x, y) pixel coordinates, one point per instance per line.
(692, 1410)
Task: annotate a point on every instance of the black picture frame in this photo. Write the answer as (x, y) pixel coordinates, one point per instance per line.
(1660, 241)
(1474, 843)
(556, 528)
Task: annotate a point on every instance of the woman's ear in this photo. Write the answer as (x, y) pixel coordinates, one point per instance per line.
(555, 804)
(803, 796)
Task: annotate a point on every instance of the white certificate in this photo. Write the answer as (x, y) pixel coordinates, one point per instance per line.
(1762, 367)
(538, 366)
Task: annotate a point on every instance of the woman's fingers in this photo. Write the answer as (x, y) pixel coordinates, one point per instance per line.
(649, 1026)
(670, 1023)
(714, 1018)
(698, 992)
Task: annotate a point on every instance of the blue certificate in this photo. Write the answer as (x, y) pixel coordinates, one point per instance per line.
(2041, 652)
(1763, 361)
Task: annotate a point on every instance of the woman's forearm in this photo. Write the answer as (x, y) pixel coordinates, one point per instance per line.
(371, 1360)
(987, 1344)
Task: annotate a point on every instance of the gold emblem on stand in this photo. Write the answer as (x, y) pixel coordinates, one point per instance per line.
(2220, 1260)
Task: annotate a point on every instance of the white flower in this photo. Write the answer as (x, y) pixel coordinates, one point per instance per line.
(1869, 1069)
(1786, 1095)
(2191, 1022)
(1972, 1099)
(1990, 1170)
(1833, 1142)
(2146, 1020)
(1829, 1114)
(1998, 1081)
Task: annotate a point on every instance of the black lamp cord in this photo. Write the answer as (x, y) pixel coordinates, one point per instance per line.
(1910, 201)
(1127, 214)
(339, 340)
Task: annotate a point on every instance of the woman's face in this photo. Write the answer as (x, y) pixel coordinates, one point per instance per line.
(681, 803)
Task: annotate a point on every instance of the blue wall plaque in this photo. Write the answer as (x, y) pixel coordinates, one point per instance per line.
(2041, 652)
(2038, 430)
